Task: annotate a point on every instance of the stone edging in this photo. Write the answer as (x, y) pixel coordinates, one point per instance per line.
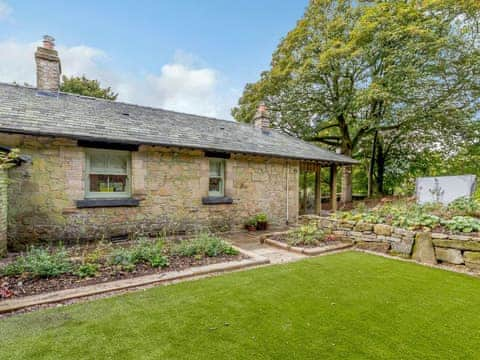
(306, 251)
(15, 304)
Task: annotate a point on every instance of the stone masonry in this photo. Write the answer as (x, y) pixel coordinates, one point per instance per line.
(3, 211)
(169, 183)
(423, 246)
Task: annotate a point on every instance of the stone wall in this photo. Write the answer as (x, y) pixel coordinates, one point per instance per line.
(3, 211)
(422, 246)
(169, 183)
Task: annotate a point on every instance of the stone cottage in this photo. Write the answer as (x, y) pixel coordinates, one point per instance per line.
(105, 169)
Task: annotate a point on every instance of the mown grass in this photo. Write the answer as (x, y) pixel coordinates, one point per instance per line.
(343, 306)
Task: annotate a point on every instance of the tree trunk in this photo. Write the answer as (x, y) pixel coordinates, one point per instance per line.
(380, 161)
(372, 166)
(347, 179)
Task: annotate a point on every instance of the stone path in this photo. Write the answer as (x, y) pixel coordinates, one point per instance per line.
(250, 241)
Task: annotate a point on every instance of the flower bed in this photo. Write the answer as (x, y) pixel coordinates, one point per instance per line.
(307, 239)
(461, 216)
(41, 270)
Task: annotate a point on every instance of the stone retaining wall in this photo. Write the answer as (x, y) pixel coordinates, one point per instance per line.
(425, 247)
(3, 211)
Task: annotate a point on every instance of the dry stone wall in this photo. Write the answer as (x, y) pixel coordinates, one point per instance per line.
(168, 182)
(426, 247)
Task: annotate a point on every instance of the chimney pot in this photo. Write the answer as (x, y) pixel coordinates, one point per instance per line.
(48, 66)
(261, 120)
(48, 42)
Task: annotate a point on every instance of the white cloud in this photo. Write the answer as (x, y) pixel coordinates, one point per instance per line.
(5, 10)
(185, 84)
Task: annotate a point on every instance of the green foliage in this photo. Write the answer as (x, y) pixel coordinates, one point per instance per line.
(308, 234)
(261, 218)
(204, 245)
(83, 86)
(40, 262)
(464, 224)
(86, 270)
(251, 222)
(9, 159)
(142, 251)
(460, 215)
(465, 206)
(406, 71)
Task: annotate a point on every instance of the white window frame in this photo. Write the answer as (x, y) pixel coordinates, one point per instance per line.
(220, 193)
(88, 171)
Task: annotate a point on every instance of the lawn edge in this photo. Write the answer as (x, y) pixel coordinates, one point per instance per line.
(411, 261)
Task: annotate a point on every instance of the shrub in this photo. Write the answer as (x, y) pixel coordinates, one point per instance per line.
(204, 245)
(86, 270)
(39, 262)
(464, 224)
(465, 206)
(251, 222)
(305, 235)
(142, 251)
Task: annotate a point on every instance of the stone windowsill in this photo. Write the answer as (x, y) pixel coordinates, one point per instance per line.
(216, 200)
(94, 203)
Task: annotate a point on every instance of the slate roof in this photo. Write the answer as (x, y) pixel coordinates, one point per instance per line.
(23, 110)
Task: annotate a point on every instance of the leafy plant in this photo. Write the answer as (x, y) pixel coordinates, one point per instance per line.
(143, 251)
(86, 270)
(464, 224)
(39, 262)
(308, 234)
(261, 218)
(251, 222)
(465, 206)
(8, 159)
(204, 245)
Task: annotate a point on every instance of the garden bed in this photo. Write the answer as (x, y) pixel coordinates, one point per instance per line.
(307, 239)
(42, 270)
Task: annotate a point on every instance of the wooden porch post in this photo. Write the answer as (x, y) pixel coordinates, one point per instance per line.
(304, 192)
(333, 187)
(318, 191)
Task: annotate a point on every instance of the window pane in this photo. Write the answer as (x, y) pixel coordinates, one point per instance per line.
(215, 185)
(99, 161)
(118, 163)
(215, 168)
(108, 183)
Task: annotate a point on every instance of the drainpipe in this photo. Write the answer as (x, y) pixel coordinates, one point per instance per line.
(286, 185)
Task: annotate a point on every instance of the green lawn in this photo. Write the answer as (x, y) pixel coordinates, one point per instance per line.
(344, 306)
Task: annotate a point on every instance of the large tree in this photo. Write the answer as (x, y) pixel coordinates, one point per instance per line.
(83, 86)
(351, 70)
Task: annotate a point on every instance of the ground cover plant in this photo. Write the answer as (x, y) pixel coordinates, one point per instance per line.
(308, 235)
(343, 306)
(461, 215)
(42, 269)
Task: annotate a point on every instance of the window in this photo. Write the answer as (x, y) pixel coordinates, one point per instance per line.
(216, 184)
(107, 174)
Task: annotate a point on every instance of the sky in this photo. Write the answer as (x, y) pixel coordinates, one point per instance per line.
(192, 56)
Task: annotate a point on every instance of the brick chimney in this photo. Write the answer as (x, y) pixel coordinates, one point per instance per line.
(48, 66)
(261, 120)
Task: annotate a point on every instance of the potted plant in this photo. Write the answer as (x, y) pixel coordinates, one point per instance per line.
(262, 221)
(251, 224)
